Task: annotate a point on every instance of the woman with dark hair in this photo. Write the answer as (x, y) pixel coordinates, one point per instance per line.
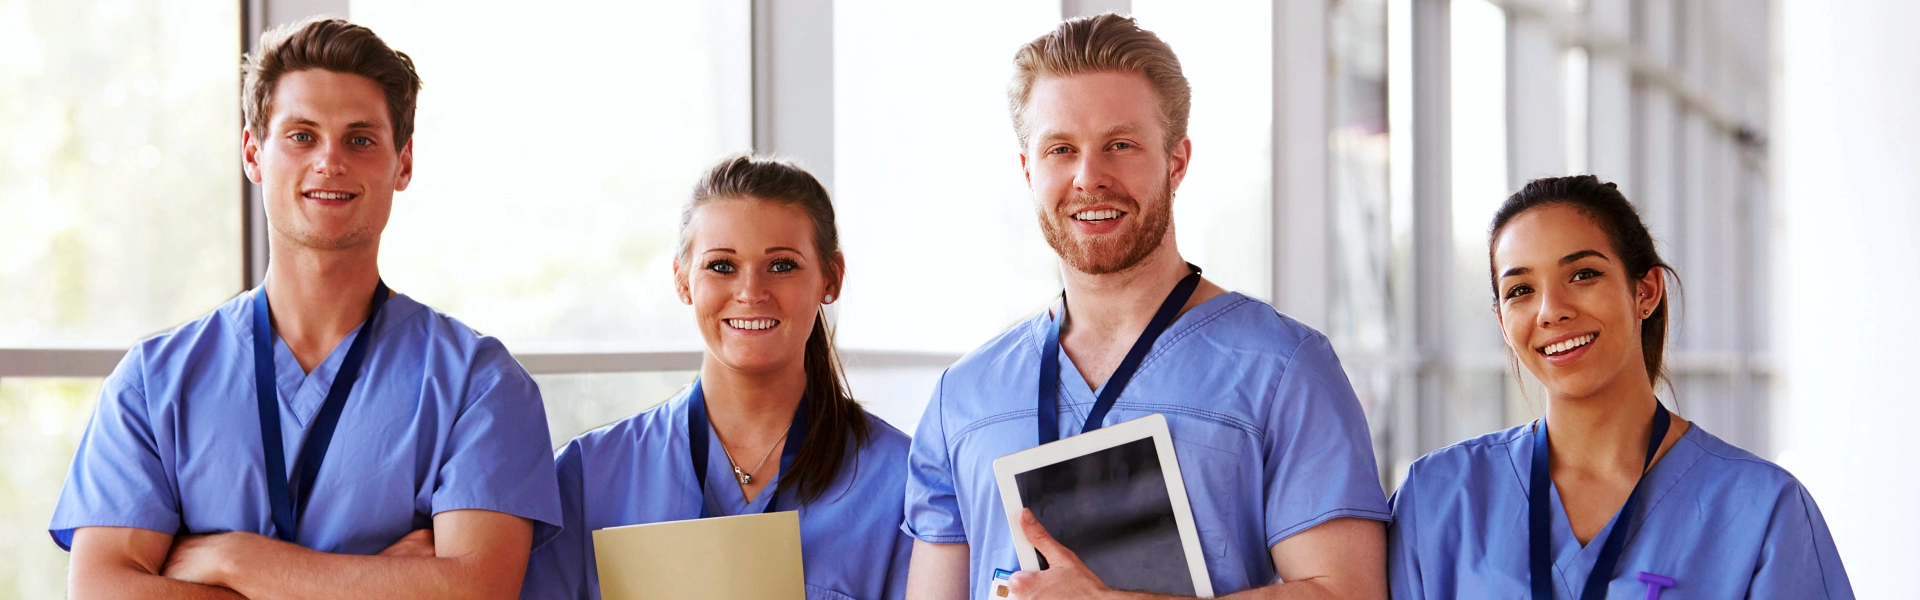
(1610, 495)
(759, 258)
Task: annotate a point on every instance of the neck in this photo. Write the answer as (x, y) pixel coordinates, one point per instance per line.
(751, 410)
(319, 297)
(1603, 433)
(1126, 300)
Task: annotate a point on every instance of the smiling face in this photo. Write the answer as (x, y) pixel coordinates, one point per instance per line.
(756, 282)
(326, 163)
(1098, 165)
(1568, 308)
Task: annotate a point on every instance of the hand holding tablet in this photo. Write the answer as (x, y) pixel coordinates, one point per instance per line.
(1107, 508)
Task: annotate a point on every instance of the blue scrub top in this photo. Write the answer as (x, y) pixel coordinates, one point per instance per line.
(639, 470)
(441, 419)
(1720, 521)
(1269, 436)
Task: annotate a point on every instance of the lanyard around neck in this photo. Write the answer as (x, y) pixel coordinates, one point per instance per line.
(1050, 361)
(290, 504)
(697, 429)
(1540, 519)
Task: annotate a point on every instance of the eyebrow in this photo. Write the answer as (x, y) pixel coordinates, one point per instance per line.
(731, 251)
(306, 122)
(1123, 129)
(1564, 260)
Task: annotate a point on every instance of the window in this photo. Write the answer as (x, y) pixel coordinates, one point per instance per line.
(41, 421)
(119, 168)
(553, 156)
(1223, 213)
(938, 227)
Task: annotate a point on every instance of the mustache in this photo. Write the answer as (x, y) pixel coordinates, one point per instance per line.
(1080, 201)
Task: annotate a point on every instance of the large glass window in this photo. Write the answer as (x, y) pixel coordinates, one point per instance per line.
(1223, 213)
(942, 248)
(41, 421)
(119, 167)
(1478, 382)
(556, 145)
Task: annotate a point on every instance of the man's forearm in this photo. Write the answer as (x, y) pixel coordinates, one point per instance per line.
(1293, 590)
(282, 570)
(132, 582)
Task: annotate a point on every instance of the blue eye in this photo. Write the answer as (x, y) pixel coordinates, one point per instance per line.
(1122, 145)
(721, 266)
(1058, 150)
(301, 137)
(783, 266)
(362, 141)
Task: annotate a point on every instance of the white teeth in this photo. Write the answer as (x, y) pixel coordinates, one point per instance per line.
(1560, 347)
(1097, 215)
(752, 324)
(329, 195)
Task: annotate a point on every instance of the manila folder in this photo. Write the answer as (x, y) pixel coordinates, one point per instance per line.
(744, 557)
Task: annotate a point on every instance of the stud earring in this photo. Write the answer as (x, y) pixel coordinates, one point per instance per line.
(829, 299)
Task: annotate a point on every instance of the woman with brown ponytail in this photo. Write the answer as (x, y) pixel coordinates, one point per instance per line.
(1610, 495)
(770, 413)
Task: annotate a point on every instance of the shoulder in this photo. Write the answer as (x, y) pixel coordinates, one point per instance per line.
(176, 351)
(1480, 458)
(1726, 466)
(1236, 322)
(1016, 347)
(447, 340)
(886, 440)
(642, 433)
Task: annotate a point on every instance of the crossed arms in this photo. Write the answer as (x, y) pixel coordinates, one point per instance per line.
(467, 554)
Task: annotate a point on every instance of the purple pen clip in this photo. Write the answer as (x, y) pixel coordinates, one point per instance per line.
(1655, 583)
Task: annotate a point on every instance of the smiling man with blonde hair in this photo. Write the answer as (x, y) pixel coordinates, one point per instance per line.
(1271, 442)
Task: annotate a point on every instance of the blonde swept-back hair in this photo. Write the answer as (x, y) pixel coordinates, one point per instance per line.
(1104, 43)
(331, 45)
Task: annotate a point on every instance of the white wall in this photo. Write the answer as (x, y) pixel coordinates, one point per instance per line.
(1846, 156)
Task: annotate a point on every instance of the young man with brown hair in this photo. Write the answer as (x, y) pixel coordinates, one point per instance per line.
(319, 436)
(1271, 442)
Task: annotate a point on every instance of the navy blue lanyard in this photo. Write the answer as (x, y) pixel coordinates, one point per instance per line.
(1540, 519)
(290, 504)
(697, 442)
(1050, 361)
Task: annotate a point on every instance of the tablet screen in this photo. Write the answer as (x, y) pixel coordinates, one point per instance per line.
(1111, 508)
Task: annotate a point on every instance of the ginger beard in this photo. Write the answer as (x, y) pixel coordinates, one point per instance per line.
(1112, 252)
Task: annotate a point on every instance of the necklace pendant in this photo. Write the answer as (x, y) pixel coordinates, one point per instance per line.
(745, 478)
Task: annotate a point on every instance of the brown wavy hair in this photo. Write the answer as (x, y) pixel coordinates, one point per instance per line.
(332, 45)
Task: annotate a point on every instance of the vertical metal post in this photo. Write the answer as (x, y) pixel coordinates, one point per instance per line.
(1433, 222)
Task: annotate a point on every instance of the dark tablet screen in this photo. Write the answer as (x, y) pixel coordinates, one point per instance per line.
(1111, 508)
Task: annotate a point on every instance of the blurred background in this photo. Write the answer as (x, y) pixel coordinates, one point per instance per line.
(1348, 155)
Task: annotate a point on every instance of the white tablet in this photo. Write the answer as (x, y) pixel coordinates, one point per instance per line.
(1114, 496)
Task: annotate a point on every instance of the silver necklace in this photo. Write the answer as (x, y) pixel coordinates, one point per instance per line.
(746, 477)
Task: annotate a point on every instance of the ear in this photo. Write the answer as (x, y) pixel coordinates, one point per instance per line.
(406, 168)
(249, 155)
(1177, 164)
(680, 285)
(839, 275)
(1026, 169)
(1648, 291)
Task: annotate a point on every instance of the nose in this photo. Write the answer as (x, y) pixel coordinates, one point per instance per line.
(1093, 175)
(331, 160)
(1553, 308)
(753, 288)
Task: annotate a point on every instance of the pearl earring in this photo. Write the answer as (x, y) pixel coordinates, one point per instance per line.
(829, 299)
